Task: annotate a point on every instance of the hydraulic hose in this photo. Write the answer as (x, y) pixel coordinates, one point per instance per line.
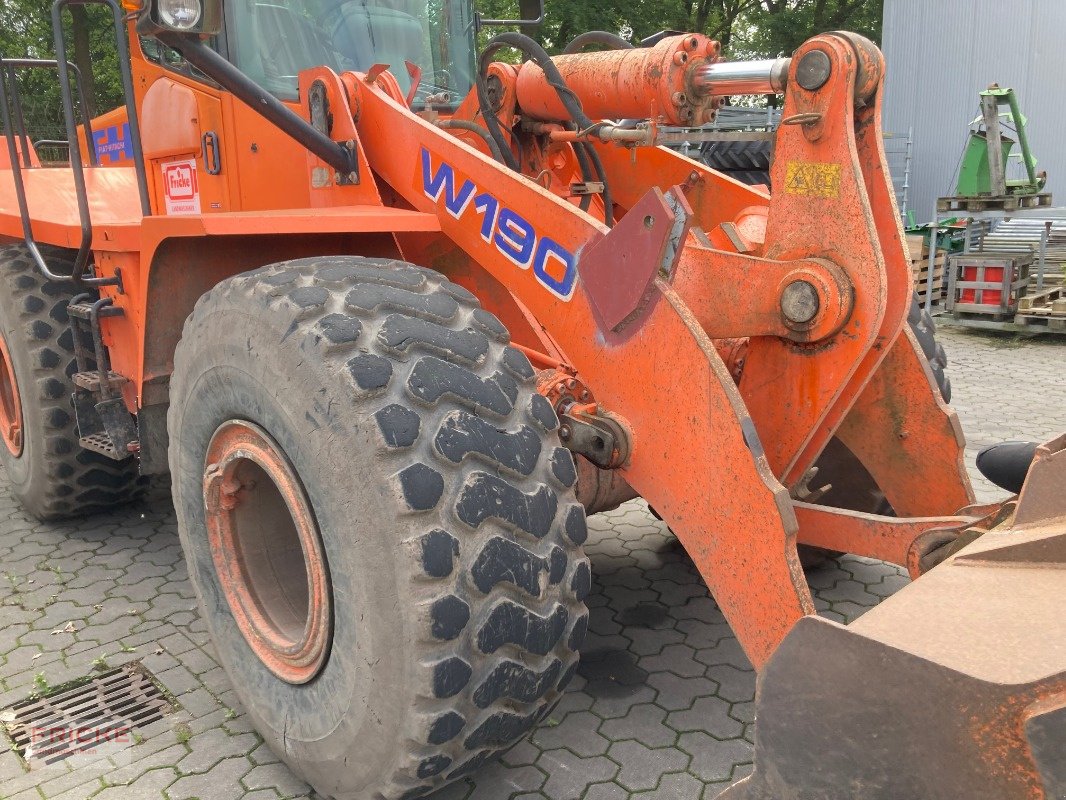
(540, 57)
(570, 101)
(586, 171)
(583, 40)
(608, 203)
(493, 124)
(473, 127)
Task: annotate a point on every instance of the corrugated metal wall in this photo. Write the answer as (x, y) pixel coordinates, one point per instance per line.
(941, 53)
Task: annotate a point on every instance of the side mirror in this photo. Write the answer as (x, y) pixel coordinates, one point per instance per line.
(202, 17)
(480, 22)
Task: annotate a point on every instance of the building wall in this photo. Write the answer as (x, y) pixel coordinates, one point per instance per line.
(941, 53)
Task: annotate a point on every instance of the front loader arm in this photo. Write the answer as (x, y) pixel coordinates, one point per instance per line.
(694, 452)
(815, 276)
(889, 414)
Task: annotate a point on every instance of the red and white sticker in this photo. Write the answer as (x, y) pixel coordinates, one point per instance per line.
(180, 187)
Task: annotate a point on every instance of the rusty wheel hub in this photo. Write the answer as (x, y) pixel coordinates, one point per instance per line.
(10, 404)
(267, 551)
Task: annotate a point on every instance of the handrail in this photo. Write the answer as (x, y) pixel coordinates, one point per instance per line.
(84, 250)
(15, 129)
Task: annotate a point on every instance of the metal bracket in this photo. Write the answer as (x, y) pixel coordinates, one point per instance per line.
(618, 269)
(599, 439)
(587, 187)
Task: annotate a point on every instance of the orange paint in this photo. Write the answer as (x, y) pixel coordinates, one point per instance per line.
(713, 458)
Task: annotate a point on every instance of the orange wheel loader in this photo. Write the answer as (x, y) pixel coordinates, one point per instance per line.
(395, 315)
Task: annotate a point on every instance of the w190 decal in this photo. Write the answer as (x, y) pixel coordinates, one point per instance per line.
(504, 228)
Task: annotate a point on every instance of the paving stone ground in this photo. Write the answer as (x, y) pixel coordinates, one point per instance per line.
(662, 707)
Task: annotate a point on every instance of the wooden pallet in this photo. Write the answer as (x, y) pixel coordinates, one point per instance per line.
(916, 247)
(1036, 300)
(1048, 321)
(1009, 203)
(923, 288)
(920, 278)
(987, 316)
(920, 269)
(923, 274)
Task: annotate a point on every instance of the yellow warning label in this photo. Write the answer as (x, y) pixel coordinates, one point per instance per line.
(812, 179)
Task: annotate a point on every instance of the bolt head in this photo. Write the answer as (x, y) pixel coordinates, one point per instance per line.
(564, 432)
(799, 302)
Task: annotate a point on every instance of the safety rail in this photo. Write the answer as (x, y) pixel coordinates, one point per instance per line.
(9, 68)
(52, 144)
(14, 124)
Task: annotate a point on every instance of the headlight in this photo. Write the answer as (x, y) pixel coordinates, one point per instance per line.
(202, 17)
(180, 15)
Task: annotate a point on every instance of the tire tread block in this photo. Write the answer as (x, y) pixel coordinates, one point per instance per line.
(512, 624)
(485, 497)
(505, 561)
(433, 378)
(370, 297)
(515, 681)
(401, 333)
(461, 434)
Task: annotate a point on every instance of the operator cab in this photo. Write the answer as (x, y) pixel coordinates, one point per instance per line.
(272, 41)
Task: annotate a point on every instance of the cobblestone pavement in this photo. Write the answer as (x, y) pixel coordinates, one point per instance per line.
(662, 707)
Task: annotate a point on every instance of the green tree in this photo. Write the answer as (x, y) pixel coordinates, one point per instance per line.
(26, 31)
(778, 27)
(746, 28)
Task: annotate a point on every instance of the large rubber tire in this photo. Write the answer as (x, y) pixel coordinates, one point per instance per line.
(53, 477)
(924, 329)
(745, 161)
(444, 504)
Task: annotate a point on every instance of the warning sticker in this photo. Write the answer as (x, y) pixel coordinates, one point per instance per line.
(812, 179)
(181, 191)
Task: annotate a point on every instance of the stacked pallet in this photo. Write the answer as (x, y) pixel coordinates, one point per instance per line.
(1046, 308)
(918, 251)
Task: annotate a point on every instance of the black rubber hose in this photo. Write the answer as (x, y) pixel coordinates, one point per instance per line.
(569, 99)
(583, 40)
(608, 204)
(586, 172)
(493, 124)
(473, 127)
(540, 57)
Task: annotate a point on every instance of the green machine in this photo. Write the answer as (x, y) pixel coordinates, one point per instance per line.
(983, 172)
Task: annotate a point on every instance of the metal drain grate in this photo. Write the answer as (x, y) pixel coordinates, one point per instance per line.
(71, 722)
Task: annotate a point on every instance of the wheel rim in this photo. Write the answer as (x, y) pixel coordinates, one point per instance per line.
(10, 403)
(267, 551)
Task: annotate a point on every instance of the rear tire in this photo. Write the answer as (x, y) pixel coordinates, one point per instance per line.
(924, 328)
(746, 161)
(51, 475)
(444, 508)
